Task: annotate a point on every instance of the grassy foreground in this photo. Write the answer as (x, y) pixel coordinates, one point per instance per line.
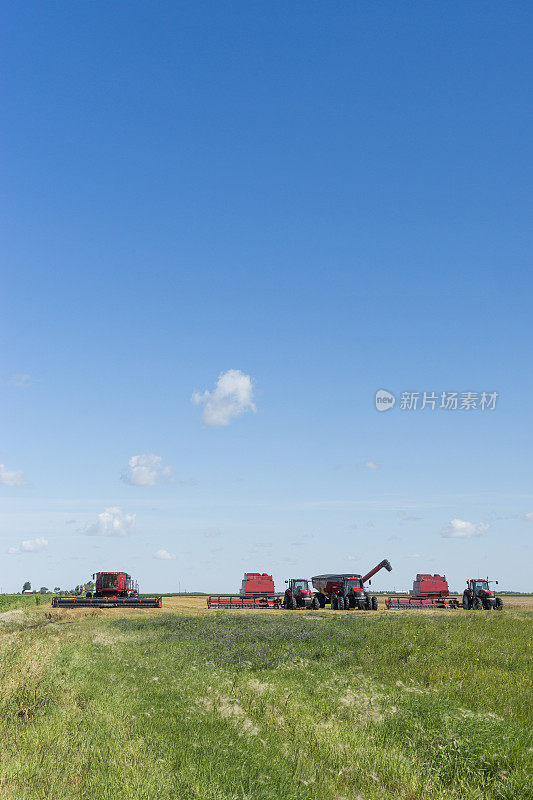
(263, 706)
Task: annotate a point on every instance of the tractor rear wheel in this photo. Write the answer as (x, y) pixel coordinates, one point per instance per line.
(333, 602)
(315, 604)
(477, 605)
(340, 603)
(374, 604)
(499, 604)
(293, 603)
(348, 603)
(466, 602)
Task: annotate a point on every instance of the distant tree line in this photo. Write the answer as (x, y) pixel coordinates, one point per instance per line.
(78, 590)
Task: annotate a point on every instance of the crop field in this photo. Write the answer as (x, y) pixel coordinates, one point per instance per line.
(183, 703)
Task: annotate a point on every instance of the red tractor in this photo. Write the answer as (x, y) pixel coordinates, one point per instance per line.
(478, 595)
(299, 595)
(347, 591)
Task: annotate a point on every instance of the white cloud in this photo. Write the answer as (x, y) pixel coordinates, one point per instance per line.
(231, 397)
(163, 555)
(460, 529)
(212, 532)
(414, 555)
(20, 380)
(12, 477)
(111, 522)
(370, 465)
(146, 469)
(29, 546)
(529, 515)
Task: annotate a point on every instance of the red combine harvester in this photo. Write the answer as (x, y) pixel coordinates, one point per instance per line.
(257, 591)
(429, 591)
(112, 590)
(347, 591)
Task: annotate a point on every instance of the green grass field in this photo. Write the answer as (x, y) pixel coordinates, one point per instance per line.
(299, 706)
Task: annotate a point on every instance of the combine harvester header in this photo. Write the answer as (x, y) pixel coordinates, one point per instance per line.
(429, 591)
(112, 590)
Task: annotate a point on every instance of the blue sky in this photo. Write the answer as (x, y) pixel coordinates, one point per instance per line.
(316, 201)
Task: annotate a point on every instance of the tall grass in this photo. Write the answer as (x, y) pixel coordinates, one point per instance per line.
(292, 706)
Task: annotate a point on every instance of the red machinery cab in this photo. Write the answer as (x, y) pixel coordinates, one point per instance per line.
(255, 583)
(114, 584)
(430, 586)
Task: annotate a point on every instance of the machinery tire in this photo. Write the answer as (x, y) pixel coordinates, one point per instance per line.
(466, 602)
(477, 604)
(368, 604)
(340, 603)
(293, 603)
(334, 601)
(315, 604)
(374, 604)
(499, 604)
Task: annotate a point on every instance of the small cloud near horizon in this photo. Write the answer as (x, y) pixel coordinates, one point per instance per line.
(111, 522)
(12, 477)
(29, 546)
(164, 555)
(461, 529)
(146, 469)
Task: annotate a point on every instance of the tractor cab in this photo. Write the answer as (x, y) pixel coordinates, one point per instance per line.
(299, 587)
(480, 587)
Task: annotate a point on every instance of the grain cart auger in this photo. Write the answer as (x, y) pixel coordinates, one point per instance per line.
(299, 595)
(428, 592)
(112, 590)
(347, 591)
(478, 596)
(257, 591)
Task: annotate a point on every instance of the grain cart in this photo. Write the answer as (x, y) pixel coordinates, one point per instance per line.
(478, 595)
(299, 595)
(429, 591)
(347, 591)
(257, 591)
(112, 590)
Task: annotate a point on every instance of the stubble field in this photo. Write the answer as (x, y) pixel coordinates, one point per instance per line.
(185, 703)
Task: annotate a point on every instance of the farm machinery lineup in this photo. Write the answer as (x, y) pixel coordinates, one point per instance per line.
(342, 591)
(112, 590)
